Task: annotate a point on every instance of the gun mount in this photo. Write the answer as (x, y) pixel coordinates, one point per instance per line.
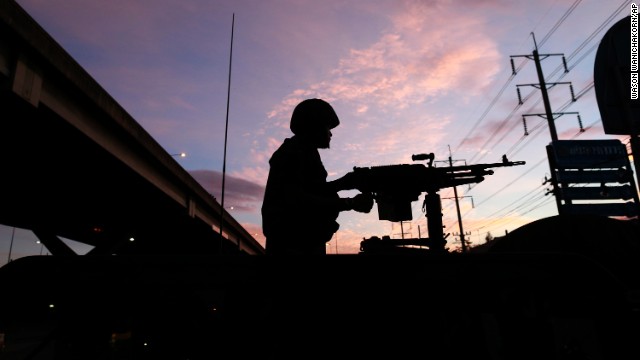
(395, 187)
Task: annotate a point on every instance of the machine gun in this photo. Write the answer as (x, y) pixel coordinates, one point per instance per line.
(395, 187)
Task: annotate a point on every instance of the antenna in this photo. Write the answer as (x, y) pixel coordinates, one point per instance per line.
(226, 128)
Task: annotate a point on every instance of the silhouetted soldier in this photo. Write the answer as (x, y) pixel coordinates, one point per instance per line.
(300, 207)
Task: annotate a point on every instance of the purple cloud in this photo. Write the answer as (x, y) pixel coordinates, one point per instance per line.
(241, 194)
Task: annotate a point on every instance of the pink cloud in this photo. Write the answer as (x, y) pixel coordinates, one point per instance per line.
(413, 61)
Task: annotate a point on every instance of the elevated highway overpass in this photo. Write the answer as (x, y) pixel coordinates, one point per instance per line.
(76, 165)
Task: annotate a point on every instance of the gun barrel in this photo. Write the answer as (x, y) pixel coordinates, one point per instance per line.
(478, 167)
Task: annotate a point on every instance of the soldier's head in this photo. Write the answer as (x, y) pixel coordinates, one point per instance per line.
(314, 119)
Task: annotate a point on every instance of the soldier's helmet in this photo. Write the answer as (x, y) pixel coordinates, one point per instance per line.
(313, 114)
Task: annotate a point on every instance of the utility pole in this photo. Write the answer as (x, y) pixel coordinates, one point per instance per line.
(549, 115)
(461, 239)
(403, 232)
(545, 95)
(456, 198)
(455, 194)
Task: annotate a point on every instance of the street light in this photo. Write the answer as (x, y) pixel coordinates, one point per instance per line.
(182, 154)
(41, 246)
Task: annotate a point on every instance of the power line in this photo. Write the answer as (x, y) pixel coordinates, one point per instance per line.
(534, 133)
(499, 211)
(506, 84)
(525, 203)
(486, 111)
(560, 21)
(604, 25)
(504, 187)
(524, 141)
(510, 183)
(501, 125)
(570, 57)
(549, 118)
(534, 204)
(520, 66)
(504, 135)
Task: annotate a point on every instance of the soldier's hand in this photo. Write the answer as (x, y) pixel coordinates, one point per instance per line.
(348, 182)
(362, 203)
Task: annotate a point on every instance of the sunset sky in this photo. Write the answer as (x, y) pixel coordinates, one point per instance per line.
(405, 77)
